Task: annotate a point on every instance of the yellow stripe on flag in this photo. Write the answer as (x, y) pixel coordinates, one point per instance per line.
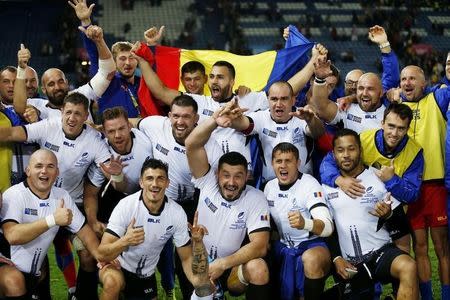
(252, 71)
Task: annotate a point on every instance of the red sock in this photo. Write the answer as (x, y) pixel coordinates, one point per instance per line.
(64, 259)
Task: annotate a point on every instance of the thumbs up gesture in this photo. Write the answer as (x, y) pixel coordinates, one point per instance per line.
(135, 235)
(386, 172)
(63, 216)
(23, 56)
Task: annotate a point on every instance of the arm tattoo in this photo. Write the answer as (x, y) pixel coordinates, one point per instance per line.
(199, 259)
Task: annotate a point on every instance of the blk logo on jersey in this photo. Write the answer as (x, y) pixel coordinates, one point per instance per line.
(155, 221)
(70, 145)
(354, 118)
(31, 211)
(279, 128)
(51, 147)
(44, 204)
(123, 159)
(178, 149)
(282, 195)
(226, 205)
(370, 116)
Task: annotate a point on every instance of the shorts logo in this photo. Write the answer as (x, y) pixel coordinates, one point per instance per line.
(51, 147)
(210, 205)
(162, 149)
(31, 211)
(270, 133)
(148, 291)
(441, 218)
(354, 118)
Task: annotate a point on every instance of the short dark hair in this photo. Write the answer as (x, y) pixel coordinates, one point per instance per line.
(77, 98)
(185, 101)
(285, 83)
(285, 147)
(344, 132)
(400, 109)
(192, 67)
(153, 163)
(230, 67)
(232, 158)
(114, 113)
(8, 68)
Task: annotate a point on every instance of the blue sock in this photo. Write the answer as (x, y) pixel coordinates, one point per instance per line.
(378, 291)
(445, 292)
(426, 291)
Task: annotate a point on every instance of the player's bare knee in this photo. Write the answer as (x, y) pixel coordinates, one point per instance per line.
(316, 262)
(13, 283)
(87, 261)
(113, 282)
(404, 268)
(256, 272)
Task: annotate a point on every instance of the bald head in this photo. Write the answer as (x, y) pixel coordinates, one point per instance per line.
(42, 171)
(42, 154)
(369, 91)
(412, 82)
(55, 86)
(351, 81)
(31, 82)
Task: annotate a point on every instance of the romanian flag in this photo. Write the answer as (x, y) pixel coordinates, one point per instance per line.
(257, 72)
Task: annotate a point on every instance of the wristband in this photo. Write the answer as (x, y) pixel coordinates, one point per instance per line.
(334, 259)
(384, 45)
(20, 73)
(50, 219)
(308, 225)
(117, 178)
(320, 81)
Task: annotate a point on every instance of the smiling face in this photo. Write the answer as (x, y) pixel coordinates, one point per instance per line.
(153, 183)
(412, 83)
(220, 83)
(42, 171)
(183, 120)
(194, 83)
(368, 92)
(285, 165)
(232, 181)
(55, 86)
(394, 129)
(31, 82)
(281, 102)
(73, 118)
(118, 132)
(351, 81)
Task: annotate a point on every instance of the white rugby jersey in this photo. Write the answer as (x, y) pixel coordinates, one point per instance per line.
(228, 222)
(74, 155)
(47, 112)
(159, 130)
(272, 133)
(306, 193)
(227, 138)
(170, 222)
(141, 149)
(357, 229)
(22, 206)
(358, 120)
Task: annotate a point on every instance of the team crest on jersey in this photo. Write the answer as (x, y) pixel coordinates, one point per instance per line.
(130, 157)
(240, 222)
(207, 112)
(297, 136)
(210, 205)
(167, 234)
(51, 147)
(354, 118)
(162, 149)
(369, 196)
(270, 133)
(31, 211)
(83, 160)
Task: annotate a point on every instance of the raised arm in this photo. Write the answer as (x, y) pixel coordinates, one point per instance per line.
(13, 134)
(301, 78)
(325, 108)
(315, 126)
(20, 88)
(391, 69)
(154, 84)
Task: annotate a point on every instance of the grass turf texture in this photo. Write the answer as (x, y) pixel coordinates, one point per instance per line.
(59, 288)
